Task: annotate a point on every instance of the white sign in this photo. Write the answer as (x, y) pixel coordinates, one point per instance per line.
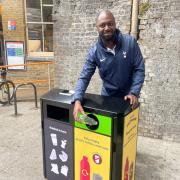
(15, 54)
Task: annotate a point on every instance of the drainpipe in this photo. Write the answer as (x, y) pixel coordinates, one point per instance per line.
(134, 18)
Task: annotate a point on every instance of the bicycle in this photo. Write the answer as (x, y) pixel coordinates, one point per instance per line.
(6, 88)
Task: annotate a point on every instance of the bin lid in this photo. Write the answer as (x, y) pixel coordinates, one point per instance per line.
(106, 105)
(58, 95)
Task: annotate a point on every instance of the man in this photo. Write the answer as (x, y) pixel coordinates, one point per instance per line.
(120, 63)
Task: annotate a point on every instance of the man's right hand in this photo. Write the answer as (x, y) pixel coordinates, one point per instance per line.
(77, 109)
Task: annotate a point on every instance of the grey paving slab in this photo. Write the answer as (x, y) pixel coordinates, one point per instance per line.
(21, 149)
(20, 145)
(157, 160)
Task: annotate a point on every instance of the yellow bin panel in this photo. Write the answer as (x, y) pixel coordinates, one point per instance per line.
(92, 155)
(129, 145)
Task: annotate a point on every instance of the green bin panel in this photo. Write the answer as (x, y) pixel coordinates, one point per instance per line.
(105, 125)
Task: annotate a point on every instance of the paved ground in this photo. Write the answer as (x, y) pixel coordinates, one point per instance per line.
(21, 149)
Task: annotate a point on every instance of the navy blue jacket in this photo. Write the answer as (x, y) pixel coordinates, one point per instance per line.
(122, 73)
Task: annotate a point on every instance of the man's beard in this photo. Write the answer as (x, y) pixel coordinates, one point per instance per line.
(107, 39)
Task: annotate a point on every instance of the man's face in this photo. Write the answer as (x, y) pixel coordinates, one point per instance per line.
(106, 26)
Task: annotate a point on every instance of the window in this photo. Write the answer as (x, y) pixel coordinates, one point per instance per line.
(39, 25)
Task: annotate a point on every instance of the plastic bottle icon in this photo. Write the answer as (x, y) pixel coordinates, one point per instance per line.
(54, 139)
(84, 169)
(126, 170)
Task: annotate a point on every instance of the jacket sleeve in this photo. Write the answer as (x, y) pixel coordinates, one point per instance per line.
(138, 70)
(85, 76)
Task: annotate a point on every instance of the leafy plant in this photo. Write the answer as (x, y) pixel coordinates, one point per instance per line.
(143, 8)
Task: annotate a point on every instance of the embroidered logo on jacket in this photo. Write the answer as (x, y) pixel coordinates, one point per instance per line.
(124, 54)
(102, 60)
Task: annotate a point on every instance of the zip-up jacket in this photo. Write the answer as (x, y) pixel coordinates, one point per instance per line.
(122, 73)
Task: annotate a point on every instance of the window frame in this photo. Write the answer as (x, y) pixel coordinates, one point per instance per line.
(42, 23)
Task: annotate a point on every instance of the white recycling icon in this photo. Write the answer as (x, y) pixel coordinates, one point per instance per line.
(63, 143)
(54, 168)
(64, 170)
(53, 155)
(63, 156)
(54, 139)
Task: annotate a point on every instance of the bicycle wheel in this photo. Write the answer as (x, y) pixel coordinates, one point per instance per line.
(6, 90)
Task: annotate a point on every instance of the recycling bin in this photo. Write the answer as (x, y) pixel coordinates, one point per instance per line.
(57, 135)
(72, 150)
(107, 150)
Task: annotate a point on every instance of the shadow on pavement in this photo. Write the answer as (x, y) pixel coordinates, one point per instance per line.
(149, 167)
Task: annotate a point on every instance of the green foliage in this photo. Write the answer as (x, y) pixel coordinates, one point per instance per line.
(143, 8)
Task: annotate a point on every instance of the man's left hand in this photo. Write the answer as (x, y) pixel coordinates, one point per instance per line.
(133, 100)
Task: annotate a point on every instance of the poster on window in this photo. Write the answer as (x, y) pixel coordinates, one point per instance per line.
(15, 54)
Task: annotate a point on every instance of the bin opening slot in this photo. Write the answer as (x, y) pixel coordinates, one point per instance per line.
(66, 92)
(58, 113)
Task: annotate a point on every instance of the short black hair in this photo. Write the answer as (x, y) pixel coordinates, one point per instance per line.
(105, 12)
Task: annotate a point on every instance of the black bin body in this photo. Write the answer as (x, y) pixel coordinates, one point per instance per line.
(57, 135)
(106, 151)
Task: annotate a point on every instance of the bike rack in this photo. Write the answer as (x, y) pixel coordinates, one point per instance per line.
(15, 97)
(6, 82)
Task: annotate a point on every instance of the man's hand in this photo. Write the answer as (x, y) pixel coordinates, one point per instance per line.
(133, 100)
(77, 109)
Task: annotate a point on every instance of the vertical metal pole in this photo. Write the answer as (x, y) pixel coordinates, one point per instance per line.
(8, 91)
(26, 28)
(15, 101)
(35, 94)
(49, 78)
(42, 25)
(134, 20)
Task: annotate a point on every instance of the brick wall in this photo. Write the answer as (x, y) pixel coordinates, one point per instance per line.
(74, 32)
(160, 43)
(13, 10)
(33, 73)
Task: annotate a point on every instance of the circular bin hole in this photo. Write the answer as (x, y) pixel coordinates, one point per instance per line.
(93, 127)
